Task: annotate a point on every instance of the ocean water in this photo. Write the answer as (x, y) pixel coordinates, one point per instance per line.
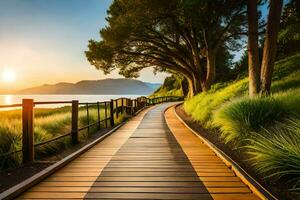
(17, 99)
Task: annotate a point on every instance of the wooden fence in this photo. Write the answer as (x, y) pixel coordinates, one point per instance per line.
(111, 108)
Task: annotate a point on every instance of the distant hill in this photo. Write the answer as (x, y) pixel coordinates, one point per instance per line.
(105, 86)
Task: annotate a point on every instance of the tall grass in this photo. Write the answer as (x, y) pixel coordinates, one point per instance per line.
(48, 123)
(292, 81)
(275, 152)
(202, 106)
(238, 119)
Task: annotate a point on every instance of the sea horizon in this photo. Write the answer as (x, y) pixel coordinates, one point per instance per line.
(8, 99)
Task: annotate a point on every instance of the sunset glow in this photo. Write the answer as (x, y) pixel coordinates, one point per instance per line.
(40, 49)
(8, 75)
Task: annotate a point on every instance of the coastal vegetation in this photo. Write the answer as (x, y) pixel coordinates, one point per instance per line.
(49, 123)
(266, 128)
(172, 86)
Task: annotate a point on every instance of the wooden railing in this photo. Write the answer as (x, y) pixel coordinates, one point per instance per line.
(111, 108)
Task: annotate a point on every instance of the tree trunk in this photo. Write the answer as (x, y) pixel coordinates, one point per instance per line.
(197, 83)
(253, 55)
(185, 87)
(191, 88)
(211, 69)
(270, 45)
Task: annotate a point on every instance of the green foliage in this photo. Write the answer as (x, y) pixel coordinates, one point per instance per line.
(289, 35)
(201, 106)
(238, 119)
(267, 128)
(275, 152)
(286, 67)
(170, 87)
(287, 73)
(172, 36)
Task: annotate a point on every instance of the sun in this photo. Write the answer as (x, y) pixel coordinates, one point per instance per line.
(8, 75)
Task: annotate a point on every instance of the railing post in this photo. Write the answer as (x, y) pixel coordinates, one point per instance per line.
(105, 107)
(27, 138)
(126, 106)
(112, 122)
(131, 106)
(99, 123)
(122, 108)
(74, 130)
(117, 108)
(134, 105)
(88, 118)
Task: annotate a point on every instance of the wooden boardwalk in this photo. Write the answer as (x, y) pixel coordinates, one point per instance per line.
(145, 160)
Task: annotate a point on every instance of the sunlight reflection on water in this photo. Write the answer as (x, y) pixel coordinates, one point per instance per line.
(8, 99)
(17, 99)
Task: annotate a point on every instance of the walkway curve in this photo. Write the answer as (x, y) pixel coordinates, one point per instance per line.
(145, 160)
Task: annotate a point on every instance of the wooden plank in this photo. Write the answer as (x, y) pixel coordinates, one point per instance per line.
(142, 184)
(147, 196)
(174, 190)
(148, 174)
(52, 195)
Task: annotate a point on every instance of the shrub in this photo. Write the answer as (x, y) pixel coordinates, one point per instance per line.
(202, 106)
(238, 119)
(276, 152)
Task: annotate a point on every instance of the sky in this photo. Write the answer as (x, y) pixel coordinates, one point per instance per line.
(43, 41)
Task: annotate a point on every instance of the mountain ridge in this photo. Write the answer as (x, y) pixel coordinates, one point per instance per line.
(104, 86)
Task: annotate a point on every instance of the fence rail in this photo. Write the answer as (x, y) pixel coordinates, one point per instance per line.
(111, 108)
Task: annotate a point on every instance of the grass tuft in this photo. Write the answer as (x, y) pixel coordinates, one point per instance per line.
(238, 119)
(275, 152)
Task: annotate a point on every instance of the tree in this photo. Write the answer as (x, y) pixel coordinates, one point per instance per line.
(260, 76)
(270, 45)
(253, 56)
(289, 34)
(178, 36)
(221, 28)
(143, 34)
